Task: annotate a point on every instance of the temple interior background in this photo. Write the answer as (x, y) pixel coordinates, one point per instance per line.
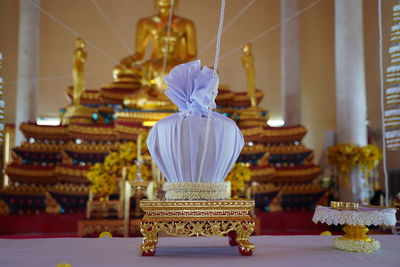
(258, 25)
(316, 38)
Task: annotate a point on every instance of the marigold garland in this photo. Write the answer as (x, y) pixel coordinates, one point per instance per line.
(104, 176)
(345, 157)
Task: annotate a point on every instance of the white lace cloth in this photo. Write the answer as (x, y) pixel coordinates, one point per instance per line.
(362, 216)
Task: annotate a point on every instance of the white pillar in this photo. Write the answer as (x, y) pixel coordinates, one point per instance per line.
(351, 107)
(290, 63)
(28, 65)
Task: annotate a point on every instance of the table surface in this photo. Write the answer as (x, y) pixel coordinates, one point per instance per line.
(195, 251)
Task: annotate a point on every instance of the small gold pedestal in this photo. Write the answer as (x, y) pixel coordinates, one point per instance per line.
(197, 218)
(356, 239)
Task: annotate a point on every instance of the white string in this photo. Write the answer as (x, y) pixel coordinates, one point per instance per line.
(212, 89)
(212, 41)
(382, 104)
(103, 14)
(66, 27)
(170, 15)
(276, 26)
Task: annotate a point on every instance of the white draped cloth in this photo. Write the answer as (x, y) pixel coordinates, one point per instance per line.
(176, 143)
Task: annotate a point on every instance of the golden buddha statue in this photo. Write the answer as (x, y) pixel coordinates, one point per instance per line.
(78, 79)
(251, 116)
(155, 28)
(78, 71)
(181, 43)
(248, 65)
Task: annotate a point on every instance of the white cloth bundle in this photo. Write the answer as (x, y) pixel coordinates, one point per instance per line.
(176, 142)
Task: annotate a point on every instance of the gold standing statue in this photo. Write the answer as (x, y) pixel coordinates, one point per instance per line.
(78, 71)
(248, 64)
(76, 112)
(253, 115)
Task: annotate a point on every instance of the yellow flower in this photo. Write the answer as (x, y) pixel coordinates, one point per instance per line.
(104, 177)
(344, 157)
(238, 176)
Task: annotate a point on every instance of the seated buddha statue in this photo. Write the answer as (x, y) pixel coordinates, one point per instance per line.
(154, 29)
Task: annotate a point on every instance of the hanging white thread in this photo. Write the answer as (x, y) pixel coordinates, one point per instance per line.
(66, 27)
(250, 3)
(212, 89)
(276, 26)
(103, 14)
(170, 15)
(382, 104)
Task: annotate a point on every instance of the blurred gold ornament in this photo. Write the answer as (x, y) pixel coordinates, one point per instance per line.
(326, 233)
(105, 235)
(248, 65)
(78, 72)
(78, 79)
(338, 205)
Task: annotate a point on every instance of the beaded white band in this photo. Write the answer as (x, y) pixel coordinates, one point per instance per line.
(195, 191)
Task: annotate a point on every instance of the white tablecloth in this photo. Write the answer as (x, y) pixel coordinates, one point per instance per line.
(277, 251)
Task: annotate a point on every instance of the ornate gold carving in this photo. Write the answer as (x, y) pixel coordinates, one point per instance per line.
(290, 149)
(39, 147)
(3, 208)
(68, 171)
(296, 175)
(47, 132)
(197, 218)
(52, 206)
(257, 148)
(140, 116)
(90, 148)
(42, 172)
(241, 229)
(237, 204)
(302, 189)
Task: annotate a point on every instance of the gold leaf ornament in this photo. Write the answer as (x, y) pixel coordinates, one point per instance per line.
(105, 235)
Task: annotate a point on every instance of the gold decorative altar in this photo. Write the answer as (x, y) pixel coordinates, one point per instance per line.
(198, 218)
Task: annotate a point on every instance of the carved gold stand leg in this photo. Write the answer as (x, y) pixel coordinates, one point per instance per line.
(243, 232)
(232, 238)
(355, 239)
(150, 238)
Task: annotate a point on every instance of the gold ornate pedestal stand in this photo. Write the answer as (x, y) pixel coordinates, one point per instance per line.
(197, 218)
(356, 239)
(355, 219)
